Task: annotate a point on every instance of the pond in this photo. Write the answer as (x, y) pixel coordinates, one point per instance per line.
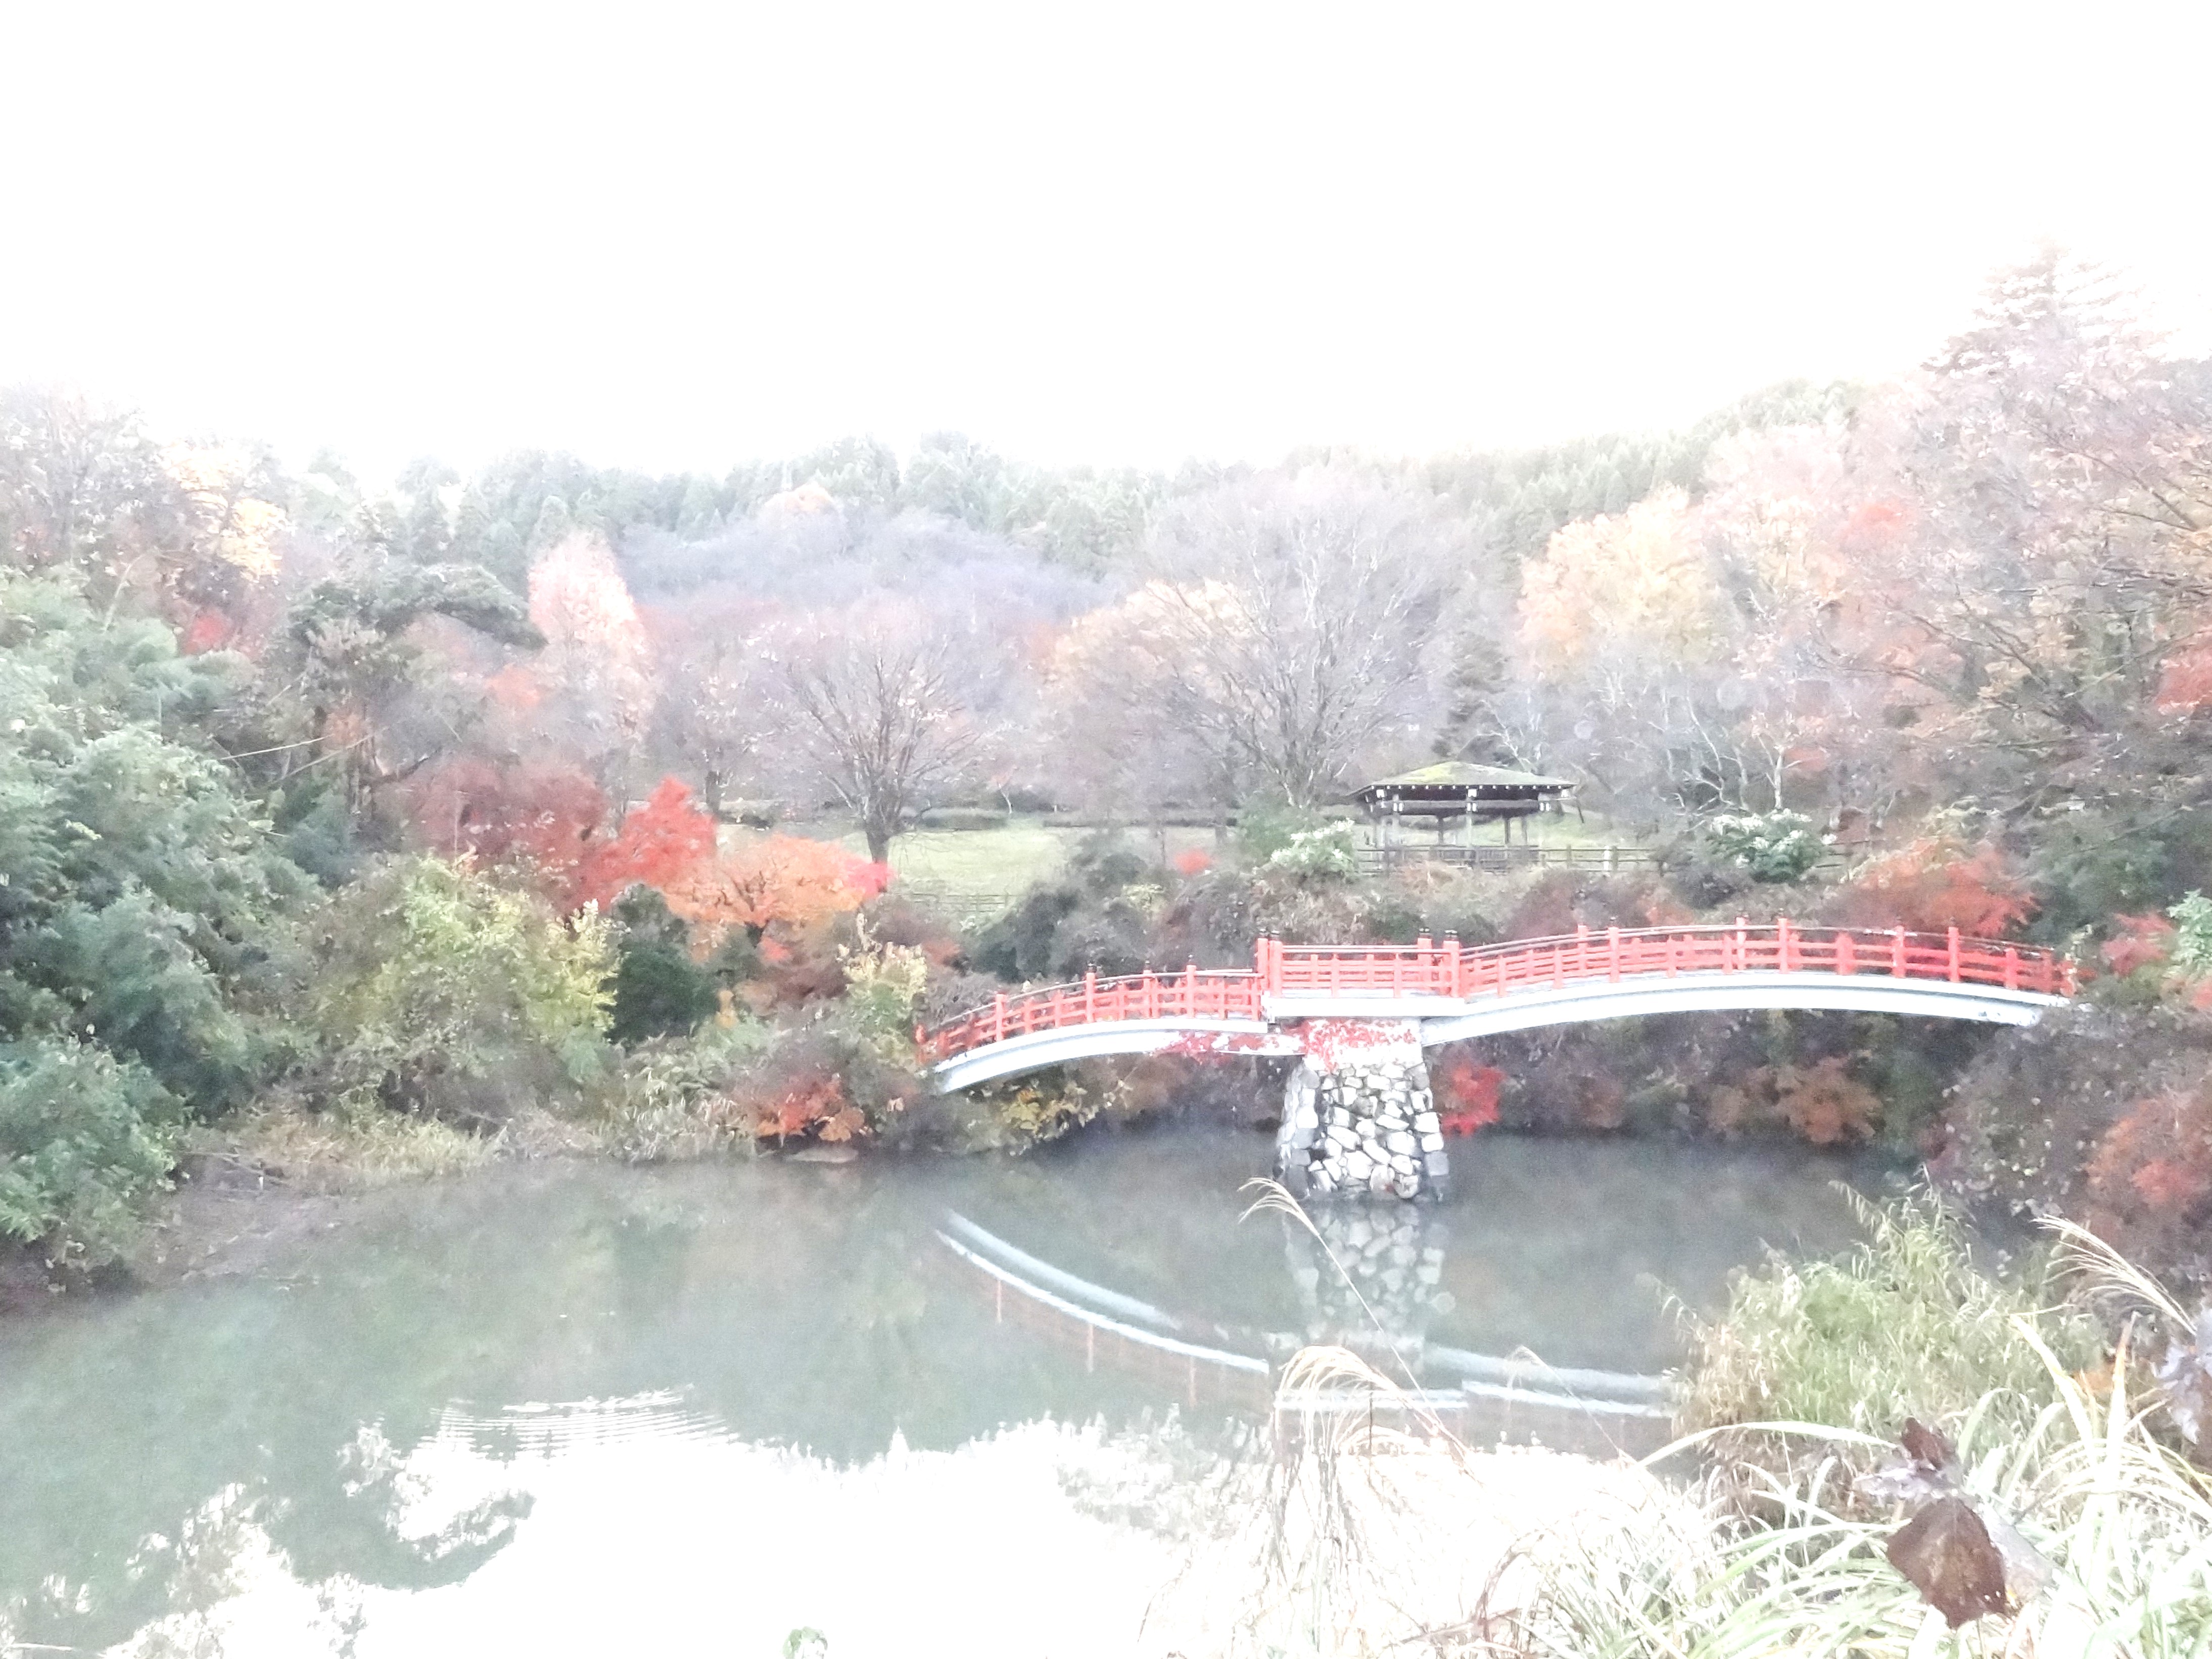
(922, 1406)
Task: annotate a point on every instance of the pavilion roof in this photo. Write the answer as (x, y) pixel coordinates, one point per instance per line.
(1457, 777)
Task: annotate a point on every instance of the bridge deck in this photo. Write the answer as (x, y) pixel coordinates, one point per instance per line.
(1777, 965)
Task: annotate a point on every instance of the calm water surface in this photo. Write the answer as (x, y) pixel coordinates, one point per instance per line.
(584, 1409)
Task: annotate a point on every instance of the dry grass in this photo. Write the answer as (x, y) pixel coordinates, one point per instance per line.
(2106, 1531)
(1905, 1325)
(1397, 1539)
(343, 1150)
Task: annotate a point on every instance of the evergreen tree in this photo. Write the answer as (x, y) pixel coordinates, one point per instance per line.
(428, 537)
(472, 521)
(553, 523)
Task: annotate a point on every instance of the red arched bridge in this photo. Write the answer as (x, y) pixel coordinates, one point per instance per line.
(1292, 994)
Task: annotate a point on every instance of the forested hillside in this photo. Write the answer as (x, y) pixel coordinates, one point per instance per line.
(343, 794)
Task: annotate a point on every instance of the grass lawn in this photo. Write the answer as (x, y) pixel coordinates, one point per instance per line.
(977, 873)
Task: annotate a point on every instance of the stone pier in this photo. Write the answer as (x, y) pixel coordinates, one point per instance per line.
(1358, 1121)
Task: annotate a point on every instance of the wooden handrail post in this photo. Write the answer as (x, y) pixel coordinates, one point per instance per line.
(1090, 993)
(1189, 989)
(1782, 944)
(1846, 960)
(1454, 965)
(1953, 936)
(1612, 954)
(998, 1016)
(2012, 968)
(1581, 948)
(1742, 946)
(1897, 953)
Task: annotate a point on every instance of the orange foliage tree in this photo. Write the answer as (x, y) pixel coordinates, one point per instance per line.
(1824, 1103)
(660, 845)
(816, 1103)
(593, 683)
(1936, 883)
(782, 890)
(786, 879)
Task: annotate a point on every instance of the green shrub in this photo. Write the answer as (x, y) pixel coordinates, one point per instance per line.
(1266, 829)
(1770, 847)
(883, 987)
(137, 881)
(1905, 1325)
(2191, 951)
(1098, 915)
(84, 1140)
(674, 1098)
(442, 991)
(659, 990)
(1706, 883)
(2085, 867)
(1019, 945)
(1328, 853)
(962, 817)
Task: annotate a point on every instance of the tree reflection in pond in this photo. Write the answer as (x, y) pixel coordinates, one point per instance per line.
(373, 1413)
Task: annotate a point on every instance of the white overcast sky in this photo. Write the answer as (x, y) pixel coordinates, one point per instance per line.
(669, 236)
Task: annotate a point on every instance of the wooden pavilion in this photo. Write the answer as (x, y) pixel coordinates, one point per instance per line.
(1458, 794)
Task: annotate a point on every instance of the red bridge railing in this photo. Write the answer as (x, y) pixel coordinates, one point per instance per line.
(1449, 969)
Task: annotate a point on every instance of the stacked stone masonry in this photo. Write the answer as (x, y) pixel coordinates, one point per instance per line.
(1362, 1126)
(1369, 1277)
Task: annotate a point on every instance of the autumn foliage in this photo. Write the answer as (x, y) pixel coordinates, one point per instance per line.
(781, 891)
(1820, 1102)
(1467, 1096)
(659, 845)
(2185, 683)
(783, 879)
(2150, 1177)
(2143, 941)
(1934, 884)
(543, 816)
(815, 1103)
(1192, 861)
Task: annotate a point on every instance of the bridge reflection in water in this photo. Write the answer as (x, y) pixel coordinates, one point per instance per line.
(1375, 1298)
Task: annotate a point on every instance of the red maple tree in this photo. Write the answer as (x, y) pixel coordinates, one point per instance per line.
(1936, 883)
(544, 816)
(660, 845)
(1467, 1096)
(2143, 941)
